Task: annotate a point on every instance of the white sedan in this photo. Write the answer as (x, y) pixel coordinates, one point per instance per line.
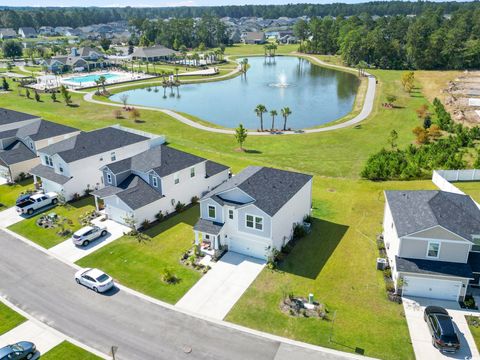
(94, 279)
(85, 235)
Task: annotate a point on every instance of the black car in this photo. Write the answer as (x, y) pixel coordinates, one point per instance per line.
(19, 351)
(440, 324)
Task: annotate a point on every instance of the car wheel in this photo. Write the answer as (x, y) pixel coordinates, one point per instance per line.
(30, 211)
(95, 289)
(104, 232)
(85, 243)
(54, 201)
(78, 281)
(29, 356)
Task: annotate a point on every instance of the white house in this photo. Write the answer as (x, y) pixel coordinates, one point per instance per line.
(19, 147)
(431, 241)
(71, 167)
(254, 212)
(141, 186)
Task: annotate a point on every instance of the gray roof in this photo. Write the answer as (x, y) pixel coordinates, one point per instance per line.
(8, 32)
(270, 188)
(154, 51)
(433, 267)
(207, 226)
(11, 116)
(413, 211)
(8, 134)
(42, 129)
(28, 31)
(253, 35)
(213, 168)
(136, 193)
(163, 159)
(48, 173)
(91, 143)
(16, 153)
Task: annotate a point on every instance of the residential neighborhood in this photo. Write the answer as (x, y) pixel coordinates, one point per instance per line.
(219, 181)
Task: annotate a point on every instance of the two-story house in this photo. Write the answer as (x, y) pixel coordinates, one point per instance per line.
(72, 166)
(141, 186)
(19, 147)
(254, 212)
(429, 236)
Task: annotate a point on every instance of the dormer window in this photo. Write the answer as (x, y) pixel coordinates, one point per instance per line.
(155, 181)
(109, 178)
(48, 161)
(176, 178)
(113, 157)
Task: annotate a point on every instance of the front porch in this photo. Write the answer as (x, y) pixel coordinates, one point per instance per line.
(208, 238)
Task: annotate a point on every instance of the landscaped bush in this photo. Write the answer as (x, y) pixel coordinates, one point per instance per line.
(387, 273)
(159, 216)
(194, 200)
(145, 224)
(179, 207)
(299, 231)
(168, 276)
(308, 219)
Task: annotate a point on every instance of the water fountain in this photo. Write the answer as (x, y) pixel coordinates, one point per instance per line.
(282, 82)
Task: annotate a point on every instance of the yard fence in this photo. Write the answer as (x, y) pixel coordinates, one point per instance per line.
(443, 179)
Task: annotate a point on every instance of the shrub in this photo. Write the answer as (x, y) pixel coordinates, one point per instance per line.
(390, 286)
(194, 200)
(76, 197)
(168, 276)
(469, 302)
(299, 231)
(308, 219)
(387, 273)
(145, 224)
(179, 207)
(159, 216)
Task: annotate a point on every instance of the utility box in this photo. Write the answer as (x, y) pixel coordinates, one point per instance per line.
(382, 263)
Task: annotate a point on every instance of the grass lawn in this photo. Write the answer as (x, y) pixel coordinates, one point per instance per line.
(474, 326)
(471, 188)
(66, 350)
(9, 318)
(10, 192)
(335, 262)
(140, 265)
(49, 237)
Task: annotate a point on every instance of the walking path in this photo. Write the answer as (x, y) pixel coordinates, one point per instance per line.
(220, 288)
(364, 113)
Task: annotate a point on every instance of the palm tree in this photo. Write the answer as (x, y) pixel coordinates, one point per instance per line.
(260, 110)
(102, 79)
(176, 72)
(244, 64)
(273, 48)
(286, 112)
(273, 113)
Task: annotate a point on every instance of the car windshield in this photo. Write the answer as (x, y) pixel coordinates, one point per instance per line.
(102, 278)
(446, 325)
(16, 347)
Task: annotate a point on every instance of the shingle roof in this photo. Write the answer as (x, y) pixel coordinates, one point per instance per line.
(270, 188)
(163, 159)
(213, 168)
(413, 211)
(43, 129)
(28, 31)
(154, 51)
(11, 116)
(433, 267)
(91, 143)
(15, 153)
(49, 174)
(208, 227)
(136, 193)
(8, 134)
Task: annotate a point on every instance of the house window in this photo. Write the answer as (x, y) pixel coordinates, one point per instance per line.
(31, 145)
(113, 157)
(254, 222)
(155, 181)
(433, 249)
(176, 179)
(192, 172)
(230, 214)
(60, 169)
(109, 178)
(48, 161)
(211, 212)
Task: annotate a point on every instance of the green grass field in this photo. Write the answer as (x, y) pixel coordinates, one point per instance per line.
(49, 237)
(10, 192)
(140, 265)
(9, 319)
(68, 351)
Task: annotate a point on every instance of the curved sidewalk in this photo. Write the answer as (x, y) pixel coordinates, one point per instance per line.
(364, 113)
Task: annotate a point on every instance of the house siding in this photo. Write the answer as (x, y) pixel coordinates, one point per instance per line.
(449, 251)
(440, 233)
(253, 210)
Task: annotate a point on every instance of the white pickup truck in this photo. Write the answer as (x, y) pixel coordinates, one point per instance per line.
(35, 202)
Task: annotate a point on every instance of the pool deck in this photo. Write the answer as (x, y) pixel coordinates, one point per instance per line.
(117, 78)
(364, 113)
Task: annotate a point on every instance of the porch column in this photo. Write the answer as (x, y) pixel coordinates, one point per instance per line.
(96, 203)
(35, 179)
(196, 238)
(215, 242)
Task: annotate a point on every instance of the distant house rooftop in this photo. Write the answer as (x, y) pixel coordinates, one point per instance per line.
(12, 116)
(157, 51)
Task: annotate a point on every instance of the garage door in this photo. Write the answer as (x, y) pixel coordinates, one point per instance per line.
(432, 288)
(248, 247)
(116, 214)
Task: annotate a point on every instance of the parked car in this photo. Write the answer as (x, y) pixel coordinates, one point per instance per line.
(87, 234)
(19, 351)
(94, 279)
(35, 202)
(440, 324)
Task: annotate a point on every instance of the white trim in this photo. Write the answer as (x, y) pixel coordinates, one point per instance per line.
(438, 251)
(155, 181)
(109, 178)
(436, 239)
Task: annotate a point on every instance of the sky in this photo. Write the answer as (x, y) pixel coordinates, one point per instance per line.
(159, 3)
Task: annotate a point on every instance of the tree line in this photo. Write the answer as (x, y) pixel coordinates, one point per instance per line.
(428, 41)
(16, 17)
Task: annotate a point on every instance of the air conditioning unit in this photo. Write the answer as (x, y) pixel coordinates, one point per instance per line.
(382, 263)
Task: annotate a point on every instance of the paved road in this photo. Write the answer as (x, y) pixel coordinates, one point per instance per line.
(44, 287)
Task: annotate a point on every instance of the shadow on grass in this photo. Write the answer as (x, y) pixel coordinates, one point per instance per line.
(188, 216)
(252, 151)
(88, 200)
(311, 253)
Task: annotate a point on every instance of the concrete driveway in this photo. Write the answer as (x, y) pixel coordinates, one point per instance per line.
(420, 335)
(9, 217)
(220, 288)
(68, 251)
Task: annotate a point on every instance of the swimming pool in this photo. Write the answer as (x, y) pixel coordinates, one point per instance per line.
(91, 78)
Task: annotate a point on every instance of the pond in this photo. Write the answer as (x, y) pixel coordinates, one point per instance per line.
(314, 94)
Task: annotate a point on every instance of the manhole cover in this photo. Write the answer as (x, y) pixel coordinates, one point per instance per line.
(187, 349)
